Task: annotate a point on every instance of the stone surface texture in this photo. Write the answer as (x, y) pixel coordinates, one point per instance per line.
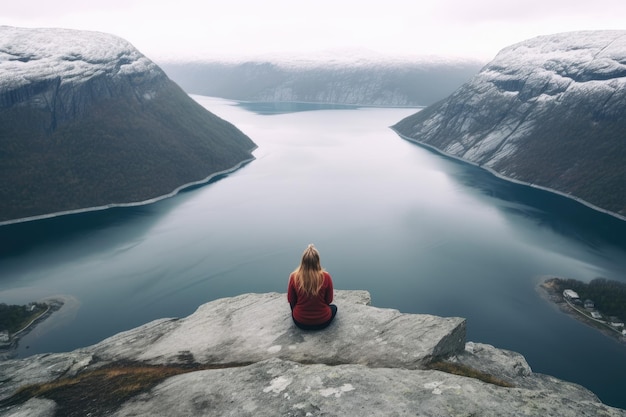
(370, 361)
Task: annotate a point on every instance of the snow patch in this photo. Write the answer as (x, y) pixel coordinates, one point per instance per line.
(65, 55)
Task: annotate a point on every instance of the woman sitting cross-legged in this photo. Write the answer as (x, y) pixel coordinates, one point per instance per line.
(310, 293)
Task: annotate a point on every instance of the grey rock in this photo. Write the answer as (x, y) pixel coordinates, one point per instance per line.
(252, 328)
(39, 369)
(282, 388)
(35, 407)
(507, 365)
(370, 361)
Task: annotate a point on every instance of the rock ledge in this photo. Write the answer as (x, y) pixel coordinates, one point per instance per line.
(370, 361)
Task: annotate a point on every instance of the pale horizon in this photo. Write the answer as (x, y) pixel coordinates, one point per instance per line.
(195, 30)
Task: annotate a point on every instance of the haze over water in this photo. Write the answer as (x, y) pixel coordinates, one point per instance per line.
(421, 232)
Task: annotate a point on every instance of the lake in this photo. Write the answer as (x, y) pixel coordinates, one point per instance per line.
(421, 232)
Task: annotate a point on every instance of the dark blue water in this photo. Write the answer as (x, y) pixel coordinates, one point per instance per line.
(423, 233)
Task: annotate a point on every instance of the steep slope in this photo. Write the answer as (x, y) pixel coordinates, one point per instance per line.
(88, 121)
(550, 111)
(371, 81)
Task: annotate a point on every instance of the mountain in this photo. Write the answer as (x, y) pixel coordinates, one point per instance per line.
(352, 79)
(87, 121)
(243, 356)
(549, 111)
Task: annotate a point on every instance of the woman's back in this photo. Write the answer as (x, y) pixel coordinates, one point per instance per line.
(311, 308)
(310, 293)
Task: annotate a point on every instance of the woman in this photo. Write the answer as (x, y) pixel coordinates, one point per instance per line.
(310, 293)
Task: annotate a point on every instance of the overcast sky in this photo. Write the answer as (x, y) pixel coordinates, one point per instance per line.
(210, 28)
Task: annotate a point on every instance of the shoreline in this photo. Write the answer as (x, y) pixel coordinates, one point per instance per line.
(132, 204)
(513, 180)
(9, 351)
(551, 292)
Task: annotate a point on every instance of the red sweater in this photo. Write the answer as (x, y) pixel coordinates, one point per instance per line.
(311, 310)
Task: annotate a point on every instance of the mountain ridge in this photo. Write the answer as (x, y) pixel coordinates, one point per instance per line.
(549, 111)
(88, 122)
(354, 80)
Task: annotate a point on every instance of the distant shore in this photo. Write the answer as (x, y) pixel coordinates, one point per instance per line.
(552, 290)
(9, 351)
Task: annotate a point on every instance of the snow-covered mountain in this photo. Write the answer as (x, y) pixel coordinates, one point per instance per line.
(87, 121)
(66, 55)
(347, 79)
(550, 111)
(43, 68)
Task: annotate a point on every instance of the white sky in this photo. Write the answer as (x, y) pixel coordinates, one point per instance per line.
(243, 28)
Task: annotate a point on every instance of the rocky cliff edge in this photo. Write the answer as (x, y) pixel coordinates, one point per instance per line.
(243, 356)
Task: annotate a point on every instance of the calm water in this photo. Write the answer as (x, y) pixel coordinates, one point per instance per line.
(421, 232)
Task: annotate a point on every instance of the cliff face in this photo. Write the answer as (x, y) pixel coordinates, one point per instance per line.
(550, 111)
(243, 356)
(65, 72)
(88, 121)
(372, 82)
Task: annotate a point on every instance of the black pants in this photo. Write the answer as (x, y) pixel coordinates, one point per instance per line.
(333, 309)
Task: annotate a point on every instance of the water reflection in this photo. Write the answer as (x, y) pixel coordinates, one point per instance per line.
(21, 238)
(564, 216)
(422, 233)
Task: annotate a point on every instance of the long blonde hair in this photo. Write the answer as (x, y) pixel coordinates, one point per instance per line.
(309, 276)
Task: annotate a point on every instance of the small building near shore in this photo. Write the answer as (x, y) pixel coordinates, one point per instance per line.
(596, 315)
(571, 295)
(589, 304)
(5, 339)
